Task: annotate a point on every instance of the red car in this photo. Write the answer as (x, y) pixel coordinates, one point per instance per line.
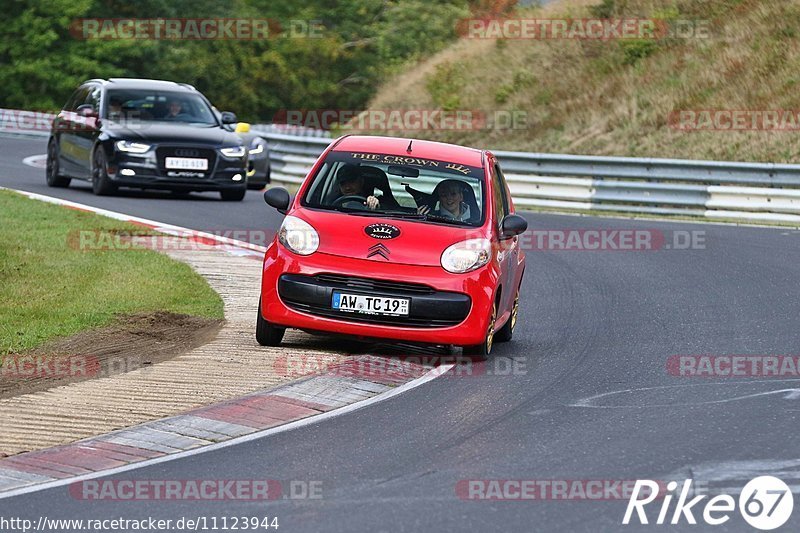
(396, 239)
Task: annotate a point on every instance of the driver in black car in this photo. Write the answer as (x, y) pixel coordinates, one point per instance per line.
(175, 110)
(352, 183)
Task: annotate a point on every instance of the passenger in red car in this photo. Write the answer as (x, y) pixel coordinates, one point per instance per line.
(451, 202)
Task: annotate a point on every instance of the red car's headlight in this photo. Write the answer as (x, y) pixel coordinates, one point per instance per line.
(298, 236)
(466, 256)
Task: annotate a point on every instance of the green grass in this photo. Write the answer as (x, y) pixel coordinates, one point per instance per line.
(50, 289)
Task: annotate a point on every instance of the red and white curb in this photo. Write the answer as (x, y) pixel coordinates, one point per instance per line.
(347, 386)
(342, 388)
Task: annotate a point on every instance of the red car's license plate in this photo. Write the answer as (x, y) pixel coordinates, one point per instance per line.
(374, 305)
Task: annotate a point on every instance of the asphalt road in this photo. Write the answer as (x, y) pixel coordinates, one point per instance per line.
(592, 323)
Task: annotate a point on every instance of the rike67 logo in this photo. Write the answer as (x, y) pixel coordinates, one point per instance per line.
(765, 503)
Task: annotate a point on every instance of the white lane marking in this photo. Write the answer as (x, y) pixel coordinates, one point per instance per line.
(731, 476)
(428, 376)
(37, 161)
(791, 394)
(159, 226)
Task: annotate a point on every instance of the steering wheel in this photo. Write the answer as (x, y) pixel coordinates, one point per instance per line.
(339, 202)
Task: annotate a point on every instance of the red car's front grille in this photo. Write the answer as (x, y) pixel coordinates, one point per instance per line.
(369, 284)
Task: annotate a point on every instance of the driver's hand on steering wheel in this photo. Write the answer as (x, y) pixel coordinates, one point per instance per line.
(372, 203)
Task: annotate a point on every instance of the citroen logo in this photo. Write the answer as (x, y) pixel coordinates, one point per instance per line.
(382, 231)
(379, 249)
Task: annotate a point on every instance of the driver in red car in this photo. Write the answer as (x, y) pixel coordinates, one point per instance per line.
(351, 183)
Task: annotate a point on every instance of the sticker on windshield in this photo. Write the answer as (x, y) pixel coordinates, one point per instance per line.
(413, 161)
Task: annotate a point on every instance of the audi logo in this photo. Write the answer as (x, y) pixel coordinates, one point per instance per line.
(187, 152)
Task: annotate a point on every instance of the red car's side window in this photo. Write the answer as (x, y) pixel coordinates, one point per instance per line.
(499, 196)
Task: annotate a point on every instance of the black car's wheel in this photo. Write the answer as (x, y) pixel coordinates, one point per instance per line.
(233, 195)
(483, 350)
(54, 177)
(101, 183)
(505, 333)
(266, 333)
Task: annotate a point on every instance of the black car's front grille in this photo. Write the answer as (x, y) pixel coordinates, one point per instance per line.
(163, 152)
(369, 284)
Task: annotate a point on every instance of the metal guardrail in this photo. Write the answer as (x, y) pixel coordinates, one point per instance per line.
(291, 156)
(711, 189)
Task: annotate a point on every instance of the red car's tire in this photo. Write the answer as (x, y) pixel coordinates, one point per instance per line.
(483, 350)
(505, 333)
(266, 333)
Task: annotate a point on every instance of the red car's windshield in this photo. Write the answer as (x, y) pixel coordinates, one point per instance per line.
(431, 190)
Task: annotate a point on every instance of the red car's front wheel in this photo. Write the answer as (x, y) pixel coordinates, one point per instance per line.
(266, 333)
(505, 333)
(484, 349)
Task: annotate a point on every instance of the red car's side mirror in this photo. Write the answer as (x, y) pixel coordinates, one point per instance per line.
(279, 198)
(513, 225)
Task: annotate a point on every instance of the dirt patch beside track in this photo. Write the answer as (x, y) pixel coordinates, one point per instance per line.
(132, 342)
(231, 365)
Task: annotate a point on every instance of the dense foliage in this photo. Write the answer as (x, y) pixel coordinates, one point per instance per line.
(352, 46)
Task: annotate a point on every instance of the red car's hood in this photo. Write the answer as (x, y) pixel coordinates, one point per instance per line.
(419, 243)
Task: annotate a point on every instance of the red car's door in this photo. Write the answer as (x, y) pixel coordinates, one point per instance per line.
(508, 248)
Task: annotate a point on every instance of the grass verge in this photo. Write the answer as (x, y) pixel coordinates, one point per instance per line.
(622, 96)
(50, 289)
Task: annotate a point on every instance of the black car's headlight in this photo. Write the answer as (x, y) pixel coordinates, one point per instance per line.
(233, 151)
(257, 147)
(132, 147)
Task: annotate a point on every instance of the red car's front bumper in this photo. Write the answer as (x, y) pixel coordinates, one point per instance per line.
(479, 286)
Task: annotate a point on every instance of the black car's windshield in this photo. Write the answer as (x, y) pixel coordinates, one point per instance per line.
(150, 105)
(399, 186)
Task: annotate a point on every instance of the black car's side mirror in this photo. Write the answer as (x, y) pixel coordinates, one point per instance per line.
(513, 225)
(228, 117)
(279, 198)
